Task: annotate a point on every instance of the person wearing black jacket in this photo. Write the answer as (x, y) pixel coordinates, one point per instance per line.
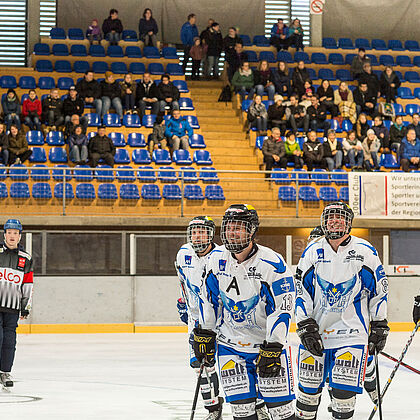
(215, 48)
(204, 37)
(313, 152)
(396, 133)
(296, 115)
(112, 27)
(326, 97)
(52, 110)
(371, 79)
(148, 29)
(415, 124)
(332, 151)
(89, 90)
(276, 114)
(263, 80)
(274, 151)
(317, 115)
(300, 76)
(72, 105)
(365, 99)
(230, 40)
(168, 94)
(147, 94)
(4, 145)
(389, 83)
(101, 147)
(281, 79)
(110, 94)
(235, 57)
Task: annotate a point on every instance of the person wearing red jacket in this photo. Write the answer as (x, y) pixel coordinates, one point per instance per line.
(31, 111)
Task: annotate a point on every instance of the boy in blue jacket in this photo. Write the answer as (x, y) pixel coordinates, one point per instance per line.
(188, 32)
(11, 109)
(178, 131)
(410, 151)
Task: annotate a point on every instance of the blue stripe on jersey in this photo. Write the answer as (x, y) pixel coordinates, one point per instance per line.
(279, 265)
(270, 305)
(283, 318)
(306, 249)
(357, 302)
(284, 285)
(370, 247)
(384, 299)
(212, 286)
(308, 283)
(368, 280)
(300, 303)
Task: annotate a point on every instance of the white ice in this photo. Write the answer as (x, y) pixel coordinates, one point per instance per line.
(146, 376)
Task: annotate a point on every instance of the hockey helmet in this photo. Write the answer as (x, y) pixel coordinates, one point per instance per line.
(200, 233)
(336, 220)
(316, 233)
(13, 224)
(239, 227)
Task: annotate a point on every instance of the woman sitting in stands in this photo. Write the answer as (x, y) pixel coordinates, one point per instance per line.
(263, 80)
(128, 93)
(18, 146)
(326, 97)
(343, 98)
(148, 29)
(296, 35)
(389, 83)
(243, 81)
(362, 127)
(281, 79)
(32, 111)
(257, 116)
(371, 145)
(11, 109)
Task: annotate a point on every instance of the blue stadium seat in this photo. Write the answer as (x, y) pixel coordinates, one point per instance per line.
(137, 68)
(362, 43)
(267, 56)
(181, 85)
(58, 173)
(302, 175)
(76, 34)
(169, 53)
(403, 61)
(104, 173)
(136, 140)
(44, 66)
(252, 56)
(156, 68)
(312, 74)
(345, 43)
(38, 155)
(129, 35)
(340, 177)
(172, 192)
(41, 190)
(59, 191)
(3, 171)
(3, 190)
(112, 120)
(412, 77)
(280, 176)
(85, 191)
(328, 194)
(57, 33)
(167, 174)
(151, 52)
(64, 83)
(405, 93)
(349, 58)
(246, 40)
(161, 157)
(302, 56)
(129, 192)
(18, 172)
(34, 138)
(57, 155)
(146, 174)
(346, 125)
(133, 51)
(379, 44)
(214, 193)
(115, 51)
(197, 141)
(260, 41)
(186, 104)
(202, 157)
(193, 192)
(81, 66)
(117, 138)
(8, 82)
(19, 190)
(411, 45)
(193, 121)
(61, 50)
(343, 194)
(181, 157)
(336, 59)
(41, 49)
(329, 43)
(27, 82)
(399, 74)
(246, 104)
(208, 175)
(416, 61)
(40, 173)
(411, 109)
(377, 72)
(319, 58)
(24, 97)
(308, 194)
(189, 174)
(174, 69)
(107, 192)
(320, 177)
(55, 138)
(125, 173)
(122, 156)
(284, 56)
(386, 60)
(83, 173)
(267, 103)
(335, 125)
(343, 75)
(141, 157)
(260, 141)
(150, 192)
(148, 120)
(97, 51)
(373, 59)
(94, 120)
(100, 67)
(62, 66)
(119, 68)
(287, 193)
(395, 45)
(389, 161)
(417, 93)
(326, 74)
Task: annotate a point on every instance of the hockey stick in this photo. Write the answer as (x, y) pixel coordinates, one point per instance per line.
(378, 386)
(197, 390)
(391, 376)
(402, 363)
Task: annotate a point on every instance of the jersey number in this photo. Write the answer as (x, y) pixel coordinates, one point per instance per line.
(286, 303)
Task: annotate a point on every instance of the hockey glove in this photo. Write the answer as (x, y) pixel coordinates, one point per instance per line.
(268, 361)
(416, 310)
(379, 331)
(308, 332)
(182, 310)
(204, 346)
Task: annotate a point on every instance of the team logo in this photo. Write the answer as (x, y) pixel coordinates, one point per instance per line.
(241, 311)
(311, 365)
(21, 263)
(347, 361)
(234, 377)
(222, 265)
(188, 259)
(335, 297)
(320, 253)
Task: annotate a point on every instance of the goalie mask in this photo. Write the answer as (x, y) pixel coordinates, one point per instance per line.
(336, 220)
(200, 233)
(316, 233)
(239, 227)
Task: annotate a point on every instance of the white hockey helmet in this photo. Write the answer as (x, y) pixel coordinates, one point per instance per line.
(200, 233)
(336, 220)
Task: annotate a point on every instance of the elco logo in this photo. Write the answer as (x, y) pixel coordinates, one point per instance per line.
(188, 259)
(11, 276)
(222, 265)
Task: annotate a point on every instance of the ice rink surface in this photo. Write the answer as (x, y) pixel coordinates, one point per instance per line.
(146, 376)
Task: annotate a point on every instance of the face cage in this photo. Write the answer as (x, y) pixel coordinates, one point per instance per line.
(343, 223)
(236, 235)
(200, 237)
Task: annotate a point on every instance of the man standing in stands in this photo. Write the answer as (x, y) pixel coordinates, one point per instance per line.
(235, 57)
(188, 32)
(358, 62)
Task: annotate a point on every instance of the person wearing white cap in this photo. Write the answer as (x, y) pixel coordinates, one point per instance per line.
(371, 145)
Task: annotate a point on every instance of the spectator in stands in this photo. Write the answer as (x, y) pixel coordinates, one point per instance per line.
(157, 138)
(32, 111)
(112, 27)
(382, 133)
(415, 123)
(281, 79)
(371, 145)
(389, 83)
(410, 151)
(277, 113)
(296, 35)
(235, 58)
(4, 145)
(178, 131)
(257, 116)
(230, 40)
(52, 111)
(313, 152)
(293, 151)
(274, 151)
(353, 151)
(204, 37)
(78, 146)
(333, 151)
(317, 113)
(356, 68)
(215, 48)
(168, 94)
(72, 105)
(365, 99)
(263, 80)
(188, 32)
(70, 127)
(279, 35)
(110, 95)
(128, 93)
(343, 98)
(296, 115)
(147, 94)
(306, 97)
(371, 79)
(148, 29)
(243, 81)
(90, 91)
(326, 97)
(299, 77)
(198, 53)
(396, 134)
(101, 147)
(11, 109)
(18, 146)
(93, 32)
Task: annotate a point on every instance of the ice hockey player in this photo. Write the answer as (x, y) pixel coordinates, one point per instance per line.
(341, 308)
(190, 265)
(416, 310)
(316, 233)
(16, 280)
(253, 291)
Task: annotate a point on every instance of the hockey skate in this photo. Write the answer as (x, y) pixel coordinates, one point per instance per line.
(217, 414)
(6, 379)
(262, 413)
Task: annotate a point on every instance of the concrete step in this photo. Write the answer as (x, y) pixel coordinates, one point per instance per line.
(222, 119)
(222, 130)
(205, 91)
(213, 105)
(214, 113)
(228, 159)
(204, 84)
(233, 153)
(228, 144)
(204, 98)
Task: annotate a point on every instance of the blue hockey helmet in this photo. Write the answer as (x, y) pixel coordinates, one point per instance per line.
(13, 224)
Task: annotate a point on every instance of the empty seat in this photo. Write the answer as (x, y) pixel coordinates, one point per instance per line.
(167, 174)
(196, 141)
(329, 43)
(411, 45)
(349, 58)
(131, 120)
(312, 74)
(136, 140)
(412, 77)
(192, 121)
(62, 66)
(44, 66)
(119, 68)
(133, 51)
(411, 109)
(34, 138)
(267, 56)
(126, 173)
(64, 83)
(83, 173)
(85, 191)
(19, 190)
(3, 190)
(308, 194)
(57, 154)
(129, 192)
(151, 52)
(386, 60)
(141, 156)
(174, 69)
(344, 194)
(55, 138)
(362, 43)
(405, 93)
(94, 120)
(122, 156)
(156, 68)
(302, 176)
(345, 44)
(181, 85)
(287, 193)
(246, 40)
(320, 177)
(146, 174)
(202, 157)
(100, 67)
(3, 171)
(319, 58)
(214, 192)
(112, 120)
(193, 192)
(389, 161)
(38, 155)
(403, 61)
(343, 75)
(41, 190)
(284, 56)
(59, 191)
(59, 171)
(328, 194)
(395, 45)
(379, 44)
(280, 176)
(169, 53)
(18, 172)
(60, 50)
(115, 51)
(302, 56)
(129, 35)
(117, 138)
(57, 33)
(76, 34)
(336, 59)
(208, 175)
(41, 49)
(104, 173)
(188, 174)
(340, 177)
(107, 192)
(252, 56)
(161, 157)
(246, 104)
(97, 50)
(8, 82)
(186, 104)
(172, 192)
(326, 74)
(27, 82)
(260, 141)
(81, 66)
(40, 173)
(150, 192)
(260, 41)
(137, 68)
(346, 125)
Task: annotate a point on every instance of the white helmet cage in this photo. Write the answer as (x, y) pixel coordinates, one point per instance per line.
(336, 220)
(236, 235)
(200, 234)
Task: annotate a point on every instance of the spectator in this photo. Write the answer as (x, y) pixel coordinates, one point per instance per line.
(71, 126)
(147, 94)
(148, 29)
(93, 32)
(90, 91)
(157, 138)
(168, 94)
(11, 109)
(299, 77)
(279, 35)
(356, 68)
(389, 83)
(110, 95)
(230, 41)
(215, 48)
(343, 98)
(297, 116)
(18, 146)
(296, 35)
(198, 53)
(235, 58)
(78, 145)
(4, 145)
(396, 134)
(415, 123)
(276, 114)
(112, 27)
(32, 111)
(317, 113)
(243, 81)
(52, 111)
(353, 151)
(274, 151)
(128, 93)
(293, 152)
(101, 147)
(382, 133)
(257, 116)
(178, 131)
(204, 37)
(365, 100)
(313, 152)
(281, 79)
(362, 127)
(326, 97)
(410, 151)
(188, 32)
(371, 79)
(263, 80)
(306, 97)
(72, 105)
(371, 145)
(333, 151)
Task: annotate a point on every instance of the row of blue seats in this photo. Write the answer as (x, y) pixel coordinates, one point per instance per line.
(309, 194)
(376, 44)
(79, 35)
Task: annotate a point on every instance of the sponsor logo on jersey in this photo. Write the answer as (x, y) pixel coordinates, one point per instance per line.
(311, 370)
(252, 273)
(344, 331)
(349, 366)
(21, 263)
(234, 377)
(284, 285)
(347, 360)
(188, 259)
(320, 253)
(352, 255)
(335, 297)
(311, 365)
(11, 276)
(222, 265)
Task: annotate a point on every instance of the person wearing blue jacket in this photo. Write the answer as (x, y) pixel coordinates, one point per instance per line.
(11, 109)
(178, 131)
(279, 35)
(188, 32)
(410, 151)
